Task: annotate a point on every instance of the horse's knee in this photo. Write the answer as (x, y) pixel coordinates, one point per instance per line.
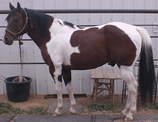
(58, 89)
(70, 91)
(69, 87)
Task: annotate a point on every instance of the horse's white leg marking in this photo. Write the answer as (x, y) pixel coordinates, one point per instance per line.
(132, 87)
(58, 87)
(124, 77)
(127, 106)
(128, 76)
(72, 99)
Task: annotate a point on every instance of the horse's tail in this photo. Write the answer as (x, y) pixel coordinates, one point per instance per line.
(146, 67)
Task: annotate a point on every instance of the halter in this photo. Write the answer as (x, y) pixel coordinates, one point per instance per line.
(15, 34)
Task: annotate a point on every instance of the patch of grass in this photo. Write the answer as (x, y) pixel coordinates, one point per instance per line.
(38, 110)
(6, 108)
(96, 107)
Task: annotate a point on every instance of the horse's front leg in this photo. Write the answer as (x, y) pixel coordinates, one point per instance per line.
(58, 87)
(56, 73)
(67, 78)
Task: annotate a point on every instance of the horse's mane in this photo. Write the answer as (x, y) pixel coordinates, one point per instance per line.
(69, 24)
(40, 18)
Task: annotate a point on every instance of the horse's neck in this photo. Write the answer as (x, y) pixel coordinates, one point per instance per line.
(54, 27)
(37, 38)
(36, 35)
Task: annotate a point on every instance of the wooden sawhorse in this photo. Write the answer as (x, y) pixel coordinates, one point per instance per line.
(97, 74)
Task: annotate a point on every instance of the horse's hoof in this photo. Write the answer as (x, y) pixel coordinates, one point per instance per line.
(128, 119)
(56, 114)
(72, 111)
(122, 115)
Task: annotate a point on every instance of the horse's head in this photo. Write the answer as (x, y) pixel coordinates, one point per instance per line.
(17, 21)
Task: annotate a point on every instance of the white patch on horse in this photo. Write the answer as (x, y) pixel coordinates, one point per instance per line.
(59, 47)
(99, 27)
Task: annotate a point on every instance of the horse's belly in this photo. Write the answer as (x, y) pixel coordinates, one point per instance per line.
(79, 61)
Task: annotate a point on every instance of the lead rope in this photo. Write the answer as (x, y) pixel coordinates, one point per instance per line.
(2, 78)
(21, 65)
(20, 77)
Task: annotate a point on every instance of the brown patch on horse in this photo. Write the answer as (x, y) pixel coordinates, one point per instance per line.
(121, 49)
(92, 48)
(99, 46)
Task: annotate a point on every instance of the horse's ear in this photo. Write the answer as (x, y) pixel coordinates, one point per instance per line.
(18, 7)
(11, 6)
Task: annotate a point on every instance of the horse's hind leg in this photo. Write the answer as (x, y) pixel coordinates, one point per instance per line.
(128, 76)
(127, 106)
(67, 78)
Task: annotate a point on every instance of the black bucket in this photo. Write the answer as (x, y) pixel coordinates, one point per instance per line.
(17, 91)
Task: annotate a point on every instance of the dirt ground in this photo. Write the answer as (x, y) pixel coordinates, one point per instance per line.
(40, 100)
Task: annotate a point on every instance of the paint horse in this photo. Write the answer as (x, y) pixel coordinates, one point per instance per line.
(65, 47)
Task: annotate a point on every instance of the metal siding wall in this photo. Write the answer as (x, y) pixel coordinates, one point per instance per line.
(42, 82)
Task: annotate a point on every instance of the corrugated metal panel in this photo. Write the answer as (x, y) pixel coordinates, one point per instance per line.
(82, 83)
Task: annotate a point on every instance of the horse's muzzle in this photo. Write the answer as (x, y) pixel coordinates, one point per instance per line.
(7, 41)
